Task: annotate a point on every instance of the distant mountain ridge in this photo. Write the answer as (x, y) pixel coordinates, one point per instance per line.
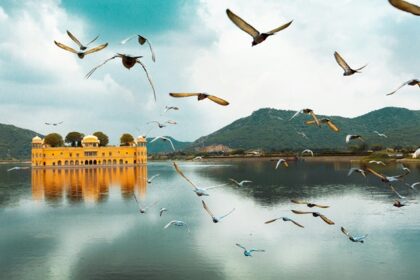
(271, 130)
(15, 142)
(160, 146)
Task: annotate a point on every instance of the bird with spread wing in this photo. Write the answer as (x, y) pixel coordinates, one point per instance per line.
(83, 52)
(348, 71)
(315, 214)
(141, 39)
(201, 96)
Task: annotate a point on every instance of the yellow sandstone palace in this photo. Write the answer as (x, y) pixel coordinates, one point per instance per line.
(89, 155)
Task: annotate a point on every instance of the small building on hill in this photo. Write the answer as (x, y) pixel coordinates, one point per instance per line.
(90, 154)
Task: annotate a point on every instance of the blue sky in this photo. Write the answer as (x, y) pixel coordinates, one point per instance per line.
(199, 49)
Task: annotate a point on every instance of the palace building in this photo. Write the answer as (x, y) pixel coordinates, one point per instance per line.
(89, 155)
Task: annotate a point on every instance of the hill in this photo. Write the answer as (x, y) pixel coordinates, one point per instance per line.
(15, 142)
(160, 146)
(271, 130)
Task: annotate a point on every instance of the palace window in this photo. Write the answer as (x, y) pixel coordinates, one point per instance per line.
(91, 154)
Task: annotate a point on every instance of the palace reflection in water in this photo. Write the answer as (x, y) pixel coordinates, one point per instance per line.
(87, 184)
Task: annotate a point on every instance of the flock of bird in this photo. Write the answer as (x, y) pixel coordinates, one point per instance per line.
(129, 61)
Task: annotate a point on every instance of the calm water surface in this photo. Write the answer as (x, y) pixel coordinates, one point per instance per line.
(85, 224)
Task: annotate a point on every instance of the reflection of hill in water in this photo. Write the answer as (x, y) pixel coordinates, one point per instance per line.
(87, 185)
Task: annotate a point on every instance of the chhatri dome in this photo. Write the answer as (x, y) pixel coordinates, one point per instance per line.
(36, 140)
(90, 140)
(141, 138)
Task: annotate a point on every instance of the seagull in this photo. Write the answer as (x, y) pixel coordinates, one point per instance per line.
(413, 82)
(54, 124)
(201, 96)
(326, 121)
(128, 62)
(214, 218)
(380, 134)
(377, 162)
(350, 137)
(309, 204)
(143, 210)
(386, 179)
(167, 108)
(361, 171)
(158, 124)
(399, 204)
(198, 191)
(248, 253)
(308, 112)
(163, 139)
(354, 238)
(315, 214)
(307, 151)
(198, 158)
(162, 210)
(302, 134)
(285, 219)
(406, 169)
(413, 186)
(82, 47)
(343, 64)
(177, 223)
(280, 161)
(141, 41)
(241, 183)
(256, 35)
(81, 54)
(171, 122)
(397, 193)
(17, 168)
(405, 6)
(149, 180)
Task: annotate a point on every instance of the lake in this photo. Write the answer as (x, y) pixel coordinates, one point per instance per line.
(85, 223)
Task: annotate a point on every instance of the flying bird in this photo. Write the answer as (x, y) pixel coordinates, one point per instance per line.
(163, 138)
(326, 121)
(142, 209)
(162, 210)
(309, 204)
(307, 151)
(201, 96)
(386, 179)
(404, 168)
(399, 204)
(176, 223)
(17, 168)
(54, 124)
(379, 162)
(214, 218)
(397, 193)
(361, 171)
(413, 82)
(302, 134)
(81, 54)
(248, 253)
(198, 191)
(413, 186)
(241, 183)
(141, 40)
(405, 6)
(149, 180)
(198, 158)
(354, 238)
(315, 214)
(82, 47)
(380, 134)
(256, 35)
(350, 137)
(171, 122)
(280, 161)
(284, 219)
(343, 64)
(308, 112)
(160, 125)
(167, 108)
(128, 62)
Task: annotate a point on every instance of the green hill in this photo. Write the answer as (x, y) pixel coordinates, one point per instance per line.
(15, 142)
(160, 146)
(271, 130)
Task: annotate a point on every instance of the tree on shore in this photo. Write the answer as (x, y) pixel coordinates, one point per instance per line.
(126, 139)
(54, 140)
(74, 138)
(103, 138)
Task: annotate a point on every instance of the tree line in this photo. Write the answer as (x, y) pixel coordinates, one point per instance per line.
(74, 139)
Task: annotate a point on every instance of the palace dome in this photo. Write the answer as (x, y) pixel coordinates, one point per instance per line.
(90, 139)
(36, 140)
(141, 138)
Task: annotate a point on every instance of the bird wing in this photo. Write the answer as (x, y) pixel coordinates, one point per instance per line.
(395, 191)
(325, 219)
(297, 201)
(343, 64)
(278, 163)
(332, 126)
(153, 177)
(94, 69)
(150, 47)
(404, 84)
(240, 246)
(297, 113)
(315, 118)
(343, 230)
(182, 174)
(245, 181)
(170, 141)
(212, 187)
(321, 206)
(151, 205)
(47, 123)
(13, 168)
(296, 223)
(74, 39)
(64, 47)
(127, 39)
(373, 172)
(207, 209)
(234, 181)
(218, 100)
(93, 40)
(284, 26)
(169, 224)
(227, 214)
(243, 25)
(348, 138)
(135, 198)
(415, 184)
(405, 6)
(351, 171)
(256, 250)
(270, 221)
(301, 212)
(310, 122)
(148, 77)
(179, 94)
(96, 49)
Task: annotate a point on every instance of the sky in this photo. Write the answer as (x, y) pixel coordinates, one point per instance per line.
(198, 49)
